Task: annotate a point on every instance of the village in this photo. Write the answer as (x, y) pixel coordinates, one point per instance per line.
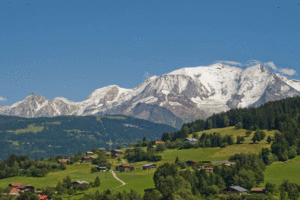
(208, 166)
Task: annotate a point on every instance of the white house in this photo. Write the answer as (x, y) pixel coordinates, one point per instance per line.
(190, 140)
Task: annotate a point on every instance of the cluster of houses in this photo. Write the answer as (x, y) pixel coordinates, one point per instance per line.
(115, 153)
(17, 188)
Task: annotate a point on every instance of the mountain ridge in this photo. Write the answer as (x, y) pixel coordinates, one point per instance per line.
(173, 98)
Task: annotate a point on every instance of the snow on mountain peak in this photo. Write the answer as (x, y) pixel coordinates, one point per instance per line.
(209, 89)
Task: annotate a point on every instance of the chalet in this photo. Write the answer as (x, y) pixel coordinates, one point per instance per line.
(229, 164)
(89, 153)
(76, 183)
(27, 188)
(148, 166)
(234, 189)
(44, 197)
(63, 160)
(259, 190)
(190, 162)
(124, 167)
(15, 184)
(101, 169)
(116, 151)
(102, 149)
(87, 159)
(159, 142)
(14, 191)
(38, 190)
(208, 168)
(190, 140)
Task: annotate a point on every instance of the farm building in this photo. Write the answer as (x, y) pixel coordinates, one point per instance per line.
(234, 189)
(159, 142)
(190, 140)
(14, 191)
(87, 159)
(116, 151)
(76, 183)
(190, 162)
(148, 166)
(259, 190)
(89, 153)
(101, 169)
(124, 167)
(63, 160)
(208, 168)
(15, 184)
(44, 197)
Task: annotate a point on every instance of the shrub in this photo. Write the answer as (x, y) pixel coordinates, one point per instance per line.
(248, 133)
(223, 145)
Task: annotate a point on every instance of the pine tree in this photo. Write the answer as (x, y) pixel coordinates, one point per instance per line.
(254, 139)
(176, 160)
(97, 182)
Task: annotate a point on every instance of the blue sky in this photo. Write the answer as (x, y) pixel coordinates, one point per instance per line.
(70, 48)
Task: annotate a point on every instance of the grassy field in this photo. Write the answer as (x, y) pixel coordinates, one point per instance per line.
(142, 179)
(236, 132)
(278, 171)
(76, 172)
(138, 179)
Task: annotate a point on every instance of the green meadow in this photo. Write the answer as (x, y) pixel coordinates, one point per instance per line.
(279, 171)
(142, 179)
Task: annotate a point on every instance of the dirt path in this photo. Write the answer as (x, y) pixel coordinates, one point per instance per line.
(115, 176)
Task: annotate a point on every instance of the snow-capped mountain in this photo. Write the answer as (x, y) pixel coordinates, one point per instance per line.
(180, 96)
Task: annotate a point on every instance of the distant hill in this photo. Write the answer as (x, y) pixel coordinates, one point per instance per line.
(66, 135)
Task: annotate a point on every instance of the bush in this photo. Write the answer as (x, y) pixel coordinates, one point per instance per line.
(82, 187)
(161, 147)
(248, 133)
(239, 125)
(223, 145)
(271, 188)
(62, 166)
(70, 191)
(182, 164)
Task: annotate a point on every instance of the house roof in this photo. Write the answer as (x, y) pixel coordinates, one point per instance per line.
(159, 142)
(63, 160)
(191, 161)
(125, 165)
(191, 139)
(43, 197)
(14, 191)
(16, 184)
(81, 182)
(238, 188)
(90, 152)
(146, 165)
(257, 189)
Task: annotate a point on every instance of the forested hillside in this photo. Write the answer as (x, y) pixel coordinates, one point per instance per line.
(66, 135)
(282, 115)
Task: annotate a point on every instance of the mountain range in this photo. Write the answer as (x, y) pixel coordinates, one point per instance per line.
(174, 98)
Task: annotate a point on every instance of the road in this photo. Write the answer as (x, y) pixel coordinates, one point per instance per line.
(115, 176)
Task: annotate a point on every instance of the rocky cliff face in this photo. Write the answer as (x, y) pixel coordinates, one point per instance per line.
(174, 98)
